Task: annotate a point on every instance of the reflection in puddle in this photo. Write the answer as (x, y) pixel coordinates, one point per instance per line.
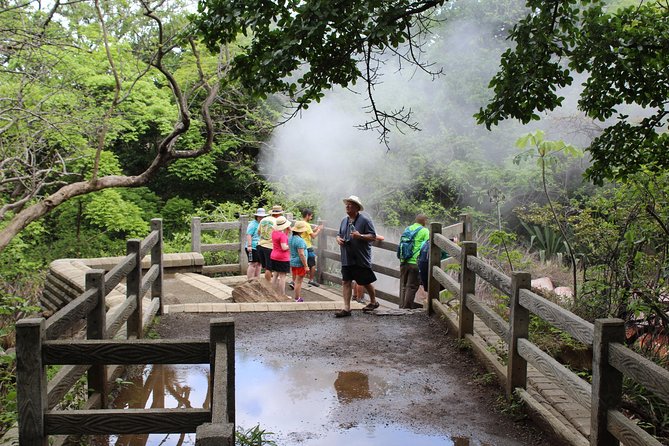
(297, 402)
(352, 386)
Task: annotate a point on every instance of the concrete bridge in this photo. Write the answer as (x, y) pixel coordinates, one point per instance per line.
(577, 412)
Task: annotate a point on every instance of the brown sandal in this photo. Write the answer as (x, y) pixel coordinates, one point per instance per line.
(342, 313)
(371, 306)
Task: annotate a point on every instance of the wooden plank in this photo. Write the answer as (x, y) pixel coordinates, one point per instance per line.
(71, 313)
(536, 409)
(492, 320)
(578, 328)
(217, 269)
(133, 283)
(392, 272)
(60, 384)
(115, 275)
(214, 247)
(320, 248)
(155, 351)
(628, 432)
(330, 232)
(243, 254)
(157, 259)
(434, 258)
(220, 225)
(467, 227)
(31, 385)
(607, 381)
(332, 255)
(195, 234)
(386, 245)
(454, 230)
(387, 296)
(565, 378)
(148, 243)
(445, 244)
(222, 363)
(121, 315)
(467, 286)
(219, 393)
(148, 279)
(519, 327)
(125, 421)
(96, 328)
(491, 275)
(446, 281)
(332, 278)
(645, 372)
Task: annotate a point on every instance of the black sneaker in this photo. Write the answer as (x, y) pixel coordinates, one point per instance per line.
(314, 283)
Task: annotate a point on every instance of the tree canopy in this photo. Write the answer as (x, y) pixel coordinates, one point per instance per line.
(301, 48)
(623, 53)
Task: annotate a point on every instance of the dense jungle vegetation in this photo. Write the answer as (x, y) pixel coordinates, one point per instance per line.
(115, 112)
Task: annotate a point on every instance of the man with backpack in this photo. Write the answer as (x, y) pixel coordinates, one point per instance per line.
(411, 241)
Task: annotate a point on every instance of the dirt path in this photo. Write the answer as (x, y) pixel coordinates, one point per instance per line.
(414, 374)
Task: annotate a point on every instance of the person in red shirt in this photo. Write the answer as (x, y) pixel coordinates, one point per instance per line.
(280, 256)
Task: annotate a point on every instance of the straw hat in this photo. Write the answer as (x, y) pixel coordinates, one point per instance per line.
(300, 226)
(260, 213)
(354, 199)
(281, 223)
(276, 209)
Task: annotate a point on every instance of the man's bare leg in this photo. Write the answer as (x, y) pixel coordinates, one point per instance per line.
(372, 293)
(346, 285)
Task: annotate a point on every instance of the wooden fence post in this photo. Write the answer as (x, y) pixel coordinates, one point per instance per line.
(607, 381)
(467, 232)
(196, 234)
(31, 383)
(320, 250)
(243, 255)
(223, 330)
(519, 323)
(96, 328)
(133, 287)
(157, 259)
(467, 286)
(434, 261)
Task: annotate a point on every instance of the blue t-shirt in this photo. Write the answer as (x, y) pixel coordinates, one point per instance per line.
(252, 230)
(296, 242)
(355, 251)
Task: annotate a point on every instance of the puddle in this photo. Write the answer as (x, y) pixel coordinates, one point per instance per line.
(302, 404)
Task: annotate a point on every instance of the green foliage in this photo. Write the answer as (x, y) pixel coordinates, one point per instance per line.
(254, 436)
(622, 51)
(176, 215)
(286, 37)
(548, 240)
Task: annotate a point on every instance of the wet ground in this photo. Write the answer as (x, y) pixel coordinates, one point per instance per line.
(364, 380)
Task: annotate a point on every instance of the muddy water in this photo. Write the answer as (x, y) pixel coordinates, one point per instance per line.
(297, 402)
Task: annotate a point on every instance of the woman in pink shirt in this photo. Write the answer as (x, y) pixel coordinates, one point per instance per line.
(280, 254)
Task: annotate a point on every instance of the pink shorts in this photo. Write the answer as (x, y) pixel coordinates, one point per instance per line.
(299, 271)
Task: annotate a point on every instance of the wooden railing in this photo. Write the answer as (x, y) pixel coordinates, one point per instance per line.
(196, 228)
(327, 249)
(611, 358)
(37, 421)
(38, 345)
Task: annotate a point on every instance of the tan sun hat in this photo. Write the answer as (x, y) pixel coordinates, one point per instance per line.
(300, 226)
(354, 199)
(281, 223)
(276, 209)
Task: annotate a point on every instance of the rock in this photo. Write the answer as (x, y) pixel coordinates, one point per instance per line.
(564, 292)
(543, 283)
(257, 291)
